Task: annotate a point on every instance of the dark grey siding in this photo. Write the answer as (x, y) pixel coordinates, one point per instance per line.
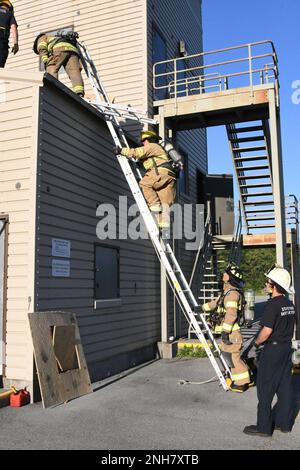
(78, 171)
(181, 20)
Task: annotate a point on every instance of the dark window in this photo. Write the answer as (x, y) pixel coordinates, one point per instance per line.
(107, 285)
(183, 181)
(159, 53)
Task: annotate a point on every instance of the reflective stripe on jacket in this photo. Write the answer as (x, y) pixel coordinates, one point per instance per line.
(150, 154)
(48, 45)
(229, 307)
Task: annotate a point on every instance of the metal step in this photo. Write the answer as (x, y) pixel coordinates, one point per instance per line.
(261, 226)
(256, 194)
(260, 211)
(251, 159)
(256, 138)
(259, 203)
(249, 149)
(252, 168)
(254, 177)
(247, 129)
(258, 185)
(255, 219)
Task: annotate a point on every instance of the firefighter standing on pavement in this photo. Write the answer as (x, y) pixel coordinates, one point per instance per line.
(228, 306)
(159, 183)
(60, 51)
(275, 365)
(8, 25)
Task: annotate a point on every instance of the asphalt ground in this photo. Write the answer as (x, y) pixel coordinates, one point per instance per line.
(147, 409)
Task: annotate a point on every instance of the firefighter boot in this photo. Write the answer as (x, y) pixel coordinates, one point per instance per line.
(238, 388)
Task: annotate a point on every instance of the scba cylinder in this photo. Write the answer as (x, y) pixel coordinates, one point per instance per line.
(171, 152)
(249, 308)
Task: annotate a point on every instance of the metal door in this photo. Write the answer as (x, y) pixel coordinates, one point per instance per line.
(2, 292)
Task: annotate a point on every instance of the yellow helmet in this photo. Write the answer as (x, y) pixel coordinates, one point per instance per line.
(7, 3)
(150, 135)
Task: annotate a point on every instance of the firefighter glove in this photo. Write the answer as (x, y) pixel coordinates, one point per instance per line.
(117, 150)
(15, 48)
(225, 338)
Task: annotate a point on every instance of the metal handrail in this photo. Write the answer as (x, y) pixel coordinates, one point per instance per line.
(203, 251)
(292, 210)
(172, 69)
(236, 244)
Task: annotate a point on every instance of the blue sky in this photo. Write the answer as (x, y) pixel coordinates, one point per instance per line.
(233, 22)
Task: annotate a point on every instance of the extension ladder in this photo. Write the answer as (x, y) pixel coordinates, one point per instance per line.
(164, 251)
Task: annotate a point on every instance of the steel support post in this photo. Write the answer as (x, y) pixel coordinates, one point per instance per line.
(295, 276)
(277, 178)
(163, 273)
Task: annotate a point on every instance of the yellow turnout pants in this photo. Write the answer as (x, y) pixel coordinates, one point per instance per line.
(71, 62)
(159, 192)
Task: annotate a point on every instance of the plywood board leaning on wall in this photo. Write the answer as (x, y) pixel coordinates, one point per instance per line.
(60, 361)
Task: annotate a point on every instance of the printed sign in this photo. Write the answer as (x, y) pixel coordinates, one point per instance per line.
(60, 268)
(61, 248)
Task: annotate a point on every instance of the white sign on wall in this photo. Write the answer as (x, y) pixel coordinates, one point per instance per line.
(61, 248)
(60, 268)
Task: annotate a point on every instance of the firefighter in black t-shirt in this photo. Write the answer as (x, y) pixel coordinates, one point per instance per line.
(8, 25)
(274, 368)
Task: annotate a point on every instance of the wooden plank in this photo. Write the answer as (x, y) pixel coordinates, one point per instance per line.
(56, 387)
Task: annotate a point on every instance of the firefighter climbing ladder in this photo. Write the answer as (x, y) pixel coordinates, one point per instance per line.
(164, 251)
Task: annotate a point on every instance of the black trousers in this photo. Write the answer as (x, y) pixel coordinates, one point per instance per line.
(3, 48)
(274, 378)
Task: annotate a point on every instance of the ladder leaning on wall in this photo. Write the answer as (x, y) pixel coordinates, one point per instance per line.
(175, 276)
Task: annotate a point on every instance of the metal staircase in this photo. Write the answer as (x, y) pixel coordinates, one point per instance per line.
(250, 149)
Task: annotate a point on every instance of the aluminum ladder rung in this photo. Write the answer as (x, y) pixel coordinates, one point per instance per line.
(163, 251)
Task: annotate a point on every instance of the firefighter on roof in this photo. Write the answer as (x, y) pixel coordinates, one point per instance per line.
(8, 25)
(159, 183)
(61, 51)
(228, 309)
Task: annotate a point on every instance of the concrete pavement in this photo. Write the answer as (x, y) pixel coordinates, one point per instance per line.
(146, 409)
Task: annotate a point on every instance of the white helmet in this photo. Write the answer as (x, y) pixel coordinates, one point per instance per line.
(281, 277)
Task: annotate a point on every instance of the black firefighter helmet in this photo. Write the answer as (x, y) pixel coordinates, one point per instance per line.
(35, 44)
(235, 274)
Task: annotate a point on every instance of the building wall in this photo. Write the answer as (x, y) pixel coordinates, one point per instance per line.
(177, 20)
(118, 35)
(77, 172)
(18, 150)
(113, 31)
